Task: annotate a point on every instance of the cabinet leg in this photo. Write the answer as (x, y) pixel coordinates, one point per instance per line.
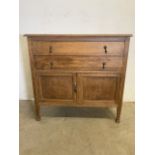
(118, 115)
(37, 110)
(38, 117)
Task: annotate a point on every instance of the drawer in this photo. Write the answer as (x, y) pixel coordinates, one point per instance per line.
(77, 48)
(77, 62)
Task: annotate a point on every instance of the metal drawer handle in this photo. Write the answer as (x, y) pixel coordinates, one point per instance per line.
(103, 65)
(50, 49)
(105, 49)
(75, 87)
(51, 65)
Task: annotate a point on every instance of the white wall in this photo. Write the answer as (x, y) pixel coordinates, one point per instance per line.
(75, 17)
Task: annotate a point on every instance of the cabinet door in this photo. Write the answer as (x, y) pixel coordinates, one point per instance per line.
(98, 89)
(57, 88)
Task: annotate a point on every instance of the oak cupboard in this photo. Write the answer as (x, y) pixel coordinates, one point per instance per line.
(78, 70)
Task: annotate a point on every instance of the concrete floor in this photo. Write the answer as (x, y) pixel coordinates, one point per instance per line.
(71, 131)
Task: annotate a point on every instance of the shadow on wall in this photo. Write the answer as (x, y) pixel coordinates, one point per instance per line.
(26, 91)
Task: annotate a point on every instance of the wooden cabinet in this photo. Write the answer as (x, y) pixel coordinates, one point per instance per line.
(78, 70)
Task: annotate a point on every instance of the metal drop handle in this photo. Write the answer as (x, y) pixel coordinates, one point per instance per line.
(75, 87)
(105, 49)
(51, 65)
(103, 65)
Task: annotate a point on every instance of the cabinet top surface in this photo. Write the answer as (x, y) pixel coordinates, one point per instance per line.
(78, 35)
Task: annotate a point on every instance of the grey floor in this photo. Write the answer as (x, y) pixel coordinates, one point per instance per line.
(71, 131)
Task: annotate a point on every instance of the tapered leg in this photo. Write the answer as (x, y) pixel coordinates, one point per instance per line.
(118, 115)
(37, 110)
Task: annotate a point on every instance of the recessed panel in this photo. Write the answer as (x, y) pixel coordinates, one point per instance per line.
(99, 88)
(57, 87)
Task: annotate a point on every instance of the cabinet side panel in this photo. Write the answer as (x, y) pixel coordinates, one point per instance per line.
(125, 58)
(122, 79)
(33, 74)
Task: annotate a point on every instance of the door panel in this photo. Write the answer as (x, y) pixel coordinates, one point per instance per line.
(57, 88)
(98, 88)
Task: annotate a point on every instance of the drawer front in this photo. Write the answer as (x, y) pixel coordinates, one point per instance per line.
(77, 48)
(77, 62)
